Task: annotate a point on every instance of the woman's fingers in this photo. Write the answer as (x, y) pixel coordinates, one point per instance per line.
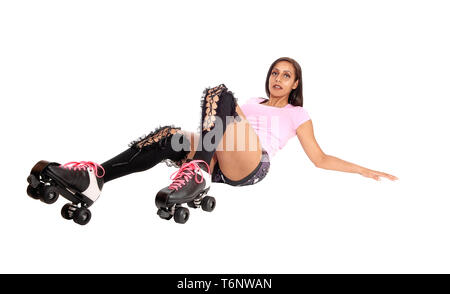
(388, 176)
(392, 178)
(377, 174)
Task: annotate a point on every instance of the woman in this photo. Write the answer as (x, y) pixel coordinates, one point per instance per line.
(233, 146)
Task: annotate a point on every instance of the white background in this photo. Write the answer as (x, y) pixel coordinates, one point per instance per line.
(80, 79)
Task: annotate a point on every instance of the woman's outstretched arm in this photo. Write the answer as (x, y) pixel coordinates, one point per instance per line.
(305, 134)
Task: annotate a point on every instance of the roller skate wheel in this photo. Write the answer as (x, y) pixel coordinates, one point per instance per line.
(33, 181)
(67, 211)
(81, 216)
(181, 215)
(208, 203)
(164, 214)
(49, 194)
(32, 192)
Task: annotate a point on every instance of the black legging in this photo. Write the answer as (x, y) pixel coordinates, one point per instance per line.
(145, 154)
(216, 104)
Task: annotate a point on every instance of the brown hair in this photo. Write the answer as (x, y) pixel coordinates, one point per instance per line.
(296, 95)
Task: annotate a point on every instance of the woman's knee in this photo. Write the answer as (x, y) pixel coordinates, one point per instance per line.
(218, 103)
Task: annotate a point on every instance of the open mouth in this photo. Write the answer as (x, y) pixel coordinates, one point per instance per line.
(277, 87)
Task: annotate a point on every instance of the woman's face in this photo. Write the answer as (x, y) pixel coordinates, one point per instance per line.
(282, 75)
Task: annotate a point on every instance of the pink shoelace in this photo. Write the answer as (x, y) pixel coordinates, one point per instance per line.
(83, 165)
(185, 173)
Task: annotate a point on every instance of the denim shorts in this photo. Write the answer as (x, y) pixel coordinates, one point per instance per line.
(254, 177)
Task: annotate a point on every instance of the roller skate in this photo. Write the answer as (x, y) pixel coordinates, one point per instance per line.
(190, 185)
(78, 182)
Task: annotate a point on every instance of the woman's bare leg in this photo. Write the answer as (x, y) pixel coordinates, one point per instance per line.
(241, 149)
(238, 152)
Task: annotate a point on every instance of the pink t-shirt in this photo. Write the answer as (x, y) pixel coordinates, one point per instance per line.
(273, 125)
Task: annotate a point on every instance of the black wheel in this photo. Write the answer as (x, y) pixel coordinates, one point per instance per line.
(208, 203)
(49, 194)
(164, 214)
(81, 216)
(32, 192)
(67, 211)
(181, 215)
(33, 181)
(191, 204)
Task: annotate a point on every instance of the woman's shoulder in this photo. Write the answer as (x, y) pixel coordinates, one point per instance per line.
(254, 100)
(296, 108)
(298, 115)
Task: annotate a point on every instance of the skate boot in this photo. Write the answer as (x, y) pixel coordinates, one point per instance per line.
(189, 185)
(78, 182)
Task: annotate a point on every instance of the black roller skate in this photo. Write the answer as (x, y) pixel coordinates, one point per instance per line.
(78, 182)
(188, 188)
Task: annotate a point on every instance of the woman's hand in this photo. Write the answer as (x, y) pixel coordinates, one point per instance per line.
(376, 174)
